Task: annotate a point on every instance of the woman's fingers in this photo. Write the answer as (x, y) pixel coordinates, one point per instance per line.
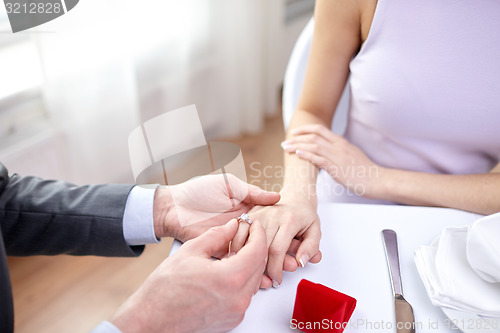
(317, 160)
(294, 246)
(266, 282)
(317, 129)
(305, 138)
(309, 247)
(286, 225)
(316, 258)
(290, 264)
(311, 147)
(292, 253)
(277, 252)
(314, 139)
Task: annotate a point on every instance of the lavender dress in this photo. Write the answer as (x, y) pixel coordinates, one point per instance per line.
(425, 90)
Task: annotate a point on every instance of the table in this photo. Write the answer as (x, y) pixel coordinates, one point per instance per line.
(354, 263)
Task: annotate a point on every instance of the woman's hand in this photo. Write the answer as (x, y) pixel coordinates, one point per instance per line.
(347, 164)
(293, 235)
(187, 210)
(351, 167)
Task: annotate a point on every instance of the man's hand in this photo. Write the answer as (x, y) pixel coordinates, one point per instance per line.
(187, 210)
(189, 292)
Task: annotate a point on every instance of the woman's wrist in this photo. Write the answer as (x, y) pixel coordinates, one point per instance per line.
(304, 193)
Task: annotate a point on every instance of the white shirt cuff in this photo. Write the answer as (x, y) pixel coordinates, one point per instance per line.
(138, 225)
(106, 327)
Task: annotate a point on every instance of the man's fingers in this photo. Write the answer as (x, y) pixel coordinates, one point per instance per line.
(309, 246)
(241, 237)
(250, 194)
(257, 196)
(210, 242)
(251, 259)
(253, 254)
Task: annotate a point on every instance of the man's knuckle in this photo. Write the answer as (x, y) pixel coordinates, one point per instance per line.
(236, 279)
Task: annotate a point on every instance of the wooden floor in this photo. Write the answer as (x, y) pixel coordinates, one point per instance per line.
(74, 294)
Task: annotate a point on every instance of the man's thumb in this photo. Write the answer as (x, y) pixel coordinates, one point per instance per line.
(258, 196)
(250, 194)
(212, 240)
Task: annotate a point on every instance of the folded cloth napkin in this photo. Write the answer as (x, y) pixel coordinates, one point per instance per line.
(483, 247)
(450, 280)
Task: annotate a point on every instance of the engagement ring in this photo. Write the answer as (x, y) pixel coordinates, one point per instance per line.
(244, 218)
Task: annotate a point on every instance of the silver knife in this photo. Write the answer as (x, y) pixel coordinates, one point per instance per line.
(405, 320)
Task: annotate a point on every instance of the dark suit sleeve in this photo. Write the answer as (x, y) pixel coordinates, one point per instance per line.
(53, 217)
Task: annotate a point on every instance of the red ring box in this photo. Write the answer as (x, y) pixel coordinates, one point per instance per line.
(321, 309)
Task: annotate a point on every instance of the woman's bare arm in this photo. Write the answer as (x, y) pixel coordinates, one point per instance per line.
(478, 193)
(293, 223)
(337, 37)
(351, 167)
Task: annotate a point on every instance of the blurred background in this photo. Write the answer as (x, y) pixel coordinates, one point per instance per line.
(73, 89)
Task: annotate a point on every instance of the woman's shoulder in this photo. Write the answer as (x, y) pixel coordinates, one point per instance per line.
(356, 14)
(367, 11)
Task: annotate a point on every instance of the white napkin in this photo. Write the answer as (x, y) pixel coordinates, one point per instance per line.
(450, 280)
(483, 247)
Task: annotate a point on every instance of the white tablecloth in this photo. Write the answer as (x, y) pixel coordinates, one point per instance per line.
(354, 263)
